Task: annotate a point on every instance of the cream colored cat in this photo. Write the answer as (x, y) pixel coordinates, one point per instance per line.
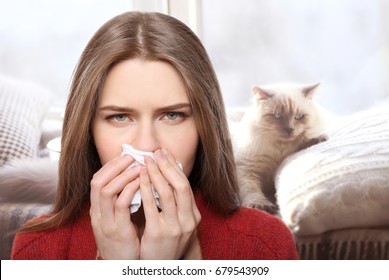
(283, 120)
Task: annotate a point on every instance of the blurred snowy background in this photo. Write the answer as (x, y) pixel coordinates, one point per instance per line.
(42, 40)
(344, 44)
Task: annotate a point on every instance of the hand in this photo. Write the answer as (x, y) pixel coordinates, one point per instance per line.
(170, 232)
(112, 190)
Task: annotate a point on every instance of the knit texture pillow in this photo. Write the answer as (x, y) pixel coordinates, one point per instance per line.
(22, 107)
(12, 217)
(341, 183)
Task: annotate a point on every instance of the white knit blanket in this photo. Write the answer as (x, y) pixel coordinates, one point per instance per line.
(341, 183)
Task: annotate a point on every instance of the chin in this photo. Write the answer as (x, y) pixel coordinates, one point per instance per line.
(288, 137)
(285, 136)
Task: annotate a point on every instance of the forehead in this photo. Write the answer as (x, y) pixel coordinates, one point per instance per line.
(281, 104)
(137, 82)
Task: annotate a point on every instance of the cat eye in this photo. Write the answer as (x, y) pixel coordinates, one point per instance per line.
(299, 117)
(277, 115)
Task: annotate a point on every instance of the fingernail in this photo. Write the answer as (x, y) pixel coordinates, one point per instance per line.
(143, 170)
(165, 152)
(160, 153)
(149, 160)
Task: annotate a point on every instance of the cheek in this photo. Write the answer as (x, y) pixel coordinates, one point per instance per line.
(107, 146)
(107, 153)
(300, 125)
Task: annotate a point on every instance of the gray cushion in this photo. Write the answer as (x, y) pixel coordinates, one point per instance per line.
(12, 217)
(22, 108)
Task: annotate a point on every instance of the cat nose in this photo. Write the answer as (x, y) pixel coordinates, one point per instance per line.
(289, 130)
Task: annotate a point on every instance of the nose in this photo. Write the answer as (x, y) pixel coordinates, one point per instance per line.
(145, 137)
(288, 129)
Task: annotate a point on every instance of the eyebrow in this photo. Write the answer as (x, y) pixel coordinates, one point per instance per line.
(158, 109)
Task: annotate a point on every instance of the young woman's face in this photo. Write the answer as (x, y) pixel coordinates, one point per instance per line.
(145, 104)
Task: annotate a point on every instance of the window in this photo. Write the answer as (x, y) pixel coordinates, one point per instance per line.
(343, 44)
(42, 40)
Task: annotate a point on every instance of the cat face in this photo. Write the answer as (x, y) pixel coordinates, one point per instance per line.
(284, 118)
(285, 113)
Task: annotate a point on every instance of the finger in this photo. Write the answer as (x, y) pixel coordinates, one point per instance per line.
(149, 206)
(110, 192)
(123, 202)
(181, 188)
(115, 167)
(173, 161)
(164, 190)
(187, 211)
(106, 174)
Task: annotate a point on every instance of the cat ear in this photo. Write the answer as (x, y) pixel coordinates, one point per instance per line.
(261, 94)
(309, 91)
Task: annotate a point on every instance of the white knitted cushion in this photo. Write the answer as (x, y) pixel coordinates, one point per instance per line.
(22, 107)
(341, 183)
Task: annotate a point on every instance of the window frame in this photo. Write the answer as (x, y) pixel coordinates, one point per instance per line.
(188, 11)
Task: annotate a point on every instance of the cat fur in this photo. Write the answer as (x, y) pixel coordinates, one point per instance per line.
(29, 181)
(268, 133)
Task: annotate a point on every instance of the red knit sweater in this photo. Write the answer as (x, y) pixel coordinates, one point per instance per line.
(247, 234)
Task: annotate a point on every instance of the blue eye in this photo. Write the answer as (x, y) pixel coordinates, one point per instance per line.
(299, 117)
(118, 118)
(277, 115)
(173, 115)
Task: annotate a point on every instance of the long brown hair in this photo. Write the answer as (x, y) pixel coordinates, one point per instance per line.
(149, 36)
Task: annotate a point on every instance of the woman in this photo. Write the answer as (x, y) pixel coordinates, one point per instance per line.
(145, 79)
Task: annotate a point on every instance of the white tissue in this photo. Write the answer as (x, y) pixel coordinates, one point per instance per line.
(139, 159)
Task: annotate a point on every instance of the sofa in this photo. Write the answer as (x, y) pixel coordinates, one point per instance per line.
(27, 173)
(334, 196)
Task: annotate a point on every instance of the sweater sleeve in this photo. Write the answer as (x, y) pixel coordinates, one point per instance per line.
(247, 234)
(266, 236)
(51, 244)
(39, 246)
(73, 240)
(281, 240)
